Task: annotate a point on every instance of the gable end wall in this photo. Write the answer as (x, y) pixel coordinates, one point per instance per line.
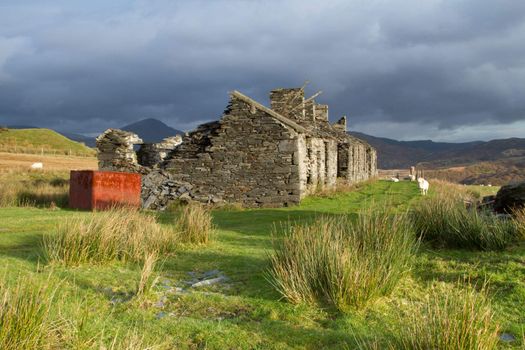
(251, 159)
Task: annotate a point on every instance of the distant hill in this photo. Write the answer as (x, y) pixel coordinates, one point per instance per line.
(495, 162)
(152, 130)
(40, 140)
(497, 172)
(495, 150)
(86, 140)
(394, 154)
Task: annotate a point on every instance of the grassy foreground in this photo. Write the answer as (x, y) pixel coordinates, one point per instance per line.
(97, 304)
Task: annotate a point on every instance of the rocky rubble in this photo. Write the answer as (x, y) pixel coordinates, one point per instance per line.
(159, 189)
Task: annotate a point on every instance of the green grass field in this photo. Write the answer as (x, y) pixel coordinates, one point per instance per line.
(245, 311)
(41, 141)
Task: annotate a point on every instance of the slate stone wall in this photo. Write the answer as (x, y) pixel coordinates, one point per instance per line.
(289, 103)
(247, 157)
(356, 161)
(152, 154)
(115, 151)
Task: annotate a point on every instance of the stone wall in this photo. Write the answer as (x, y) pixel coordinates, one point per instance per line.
(320, 163)
(152, 154)
(289, 103)
(356, 161)
(248, 157)
(115, 151)
(321, 113)
(340, 125)
(372, 161)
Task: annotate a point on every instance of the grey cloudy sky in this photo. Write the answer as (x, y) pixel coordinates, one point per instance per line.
(409, 69)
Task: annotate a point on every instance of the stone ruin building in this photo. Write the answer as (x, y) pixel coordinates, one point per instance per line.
(254, 155)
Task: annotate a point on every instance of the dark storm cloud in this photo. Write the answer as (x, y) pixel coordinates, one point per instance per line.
(440, 65)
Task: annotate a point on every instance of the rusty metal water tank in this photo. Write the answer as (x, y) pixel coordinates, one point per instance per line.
(89, 189)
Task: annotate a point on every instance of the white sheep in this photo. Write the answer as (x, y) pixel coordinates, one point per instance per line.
(423, 185)
(394, 179)
(38, 165)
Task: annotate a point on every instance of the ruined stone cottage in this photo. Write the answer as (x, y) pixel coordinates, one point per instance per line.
(253, 155)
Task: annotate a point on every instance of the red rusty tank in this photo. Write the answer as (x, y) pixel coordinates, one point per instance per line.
(100, 190)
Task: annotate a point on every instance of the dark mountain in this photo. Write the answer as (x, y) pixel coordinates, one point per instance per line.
(149, 130)
(394, 154)
(152, 130)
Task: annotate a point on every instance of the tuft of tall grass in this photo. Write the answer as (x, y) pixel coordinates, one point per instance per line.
(194, 224)
(449, 319)
(131, 340)
(24, 315)
(120, 234)
(447, 222)
(147, 281)
(519, 221)
(342, 262)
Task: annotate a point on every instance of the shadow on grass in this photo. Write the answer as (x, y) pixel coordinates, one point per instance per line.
(27, 247)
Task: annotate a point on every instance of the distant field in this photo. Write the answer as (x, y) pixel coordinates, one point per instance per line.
(19, 185)
(41, 141)
(10, 162)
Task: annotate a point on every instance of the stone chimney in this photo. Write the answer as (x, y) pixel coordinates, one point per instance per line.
(309, 110)
(321, 113)
(288, 103)
(340, 124)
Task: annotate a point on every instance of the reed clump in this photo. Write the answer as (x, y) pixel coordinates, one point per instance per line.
(24, 315)
(449, 319)
(342, 262)
(120, 234)
(147, 279)
(446, 222)
(194, 225)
